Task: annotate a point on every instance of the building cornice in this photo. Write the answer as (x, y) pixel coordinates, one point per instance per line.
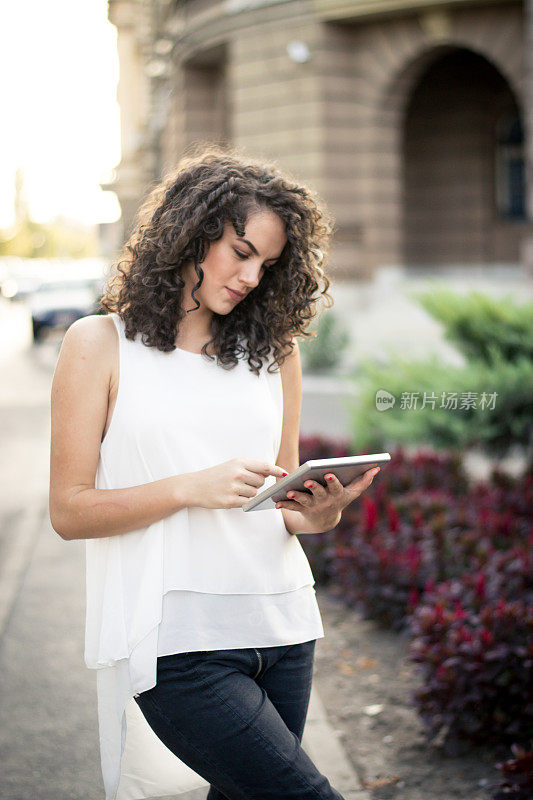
(332, 10)
(218, 22)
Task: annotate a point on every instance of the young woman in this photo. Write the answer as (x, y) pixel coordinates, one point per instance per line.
(168, 413)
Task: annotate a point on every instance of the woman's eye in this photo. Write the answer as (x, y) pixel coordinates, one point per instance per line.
(245, 255)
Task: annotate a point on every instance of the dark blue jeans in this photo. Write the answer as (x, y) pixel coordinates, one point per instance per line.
(237, 717)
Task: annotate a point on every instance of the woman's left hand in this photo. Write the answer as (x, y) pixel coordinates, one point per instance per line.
(323, 507)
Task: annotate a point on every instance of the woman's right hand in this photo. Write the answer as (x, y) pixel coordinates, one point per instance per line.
(230, 484)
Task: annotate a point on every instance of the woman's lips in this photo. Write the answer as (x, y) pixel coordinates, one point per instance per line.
(234, 295)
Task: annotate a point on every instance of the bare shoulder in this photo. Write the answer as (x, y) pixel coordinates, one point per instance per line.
(91, 341)
(93, 330)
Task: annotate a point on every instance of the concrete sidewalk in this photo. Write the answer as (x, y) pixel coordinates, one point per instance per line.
(48, 719)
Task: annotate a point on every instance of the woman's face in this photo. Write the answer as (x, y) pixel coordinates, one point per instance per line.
(233, 264)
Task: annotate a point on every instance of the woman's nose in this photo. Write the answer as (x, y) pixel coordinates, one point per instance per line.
(251, 273)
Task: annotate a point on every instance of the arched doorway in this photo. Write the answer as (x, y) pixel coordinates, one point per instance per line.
(462, 165)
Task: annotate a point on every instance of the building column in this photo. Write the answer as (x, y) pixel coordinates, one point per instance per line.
(132, 173)
(527, 246)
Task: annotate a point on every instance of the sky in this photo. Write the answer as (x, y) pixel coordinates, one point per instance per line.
(60, 120)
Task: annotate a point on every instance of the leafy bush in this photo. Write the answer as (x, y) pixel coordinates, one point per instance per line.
(389, 548)
(487, 401)
(492, 405)
(517, 780)
(324, 351)
(421, 523)
(448, 563)
(426, 470)
(477, 668)
(479, 325)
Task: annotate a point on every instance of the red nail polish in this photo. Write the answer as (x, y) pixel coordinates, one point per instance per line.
(285, 473)
(329, 478)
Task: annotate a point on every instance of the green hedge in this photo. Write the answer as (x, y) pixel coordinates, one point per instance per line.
(323, 352)
(496, 338)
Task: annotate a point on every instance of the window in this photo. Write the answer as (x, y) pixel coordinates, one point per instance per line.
(510, 167)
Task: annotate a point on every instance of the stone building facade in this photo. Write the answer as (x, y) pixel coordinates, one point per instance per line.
(413, 119)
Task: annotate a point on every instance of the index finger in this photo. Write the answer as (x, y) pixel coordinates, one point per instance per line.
(266, 469)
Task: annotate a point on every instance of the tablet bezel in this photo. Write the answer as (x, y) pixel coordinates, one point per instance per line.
(313, 469)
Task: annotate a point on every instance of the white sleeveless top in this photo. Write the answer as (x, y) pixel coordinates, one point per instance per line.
(180, 412)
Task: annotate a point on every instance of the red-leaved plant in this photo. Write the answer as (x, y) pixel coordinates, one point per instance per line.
(517, 776)
(476, 665)
(449, 564)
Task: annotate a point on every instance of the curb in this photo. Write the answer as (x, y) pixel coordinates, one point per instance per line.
(321, 743)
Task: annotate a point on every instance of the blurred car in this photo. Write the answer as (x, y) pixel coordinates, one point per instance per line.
(58, 303)
(17, 289)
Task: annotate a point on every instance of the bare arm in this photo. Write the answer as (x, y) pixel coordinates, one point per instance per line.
(288, 456)
(79, 398)
(323, 511)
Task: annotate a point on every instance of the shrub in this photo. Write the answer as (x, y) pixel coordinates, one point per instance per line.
(426, 470)
(493, 389)
(450, 564)
(478, 325)
(324, 351)
(517, 781)
(417, 526)
(477, 668)
(492, 404)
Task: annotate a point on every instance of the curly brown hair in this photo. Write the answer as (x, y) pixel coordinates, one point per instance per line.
(210, 185)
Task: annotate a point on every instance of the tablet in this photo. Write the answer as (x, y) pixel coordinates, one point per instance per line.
(345, 469)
